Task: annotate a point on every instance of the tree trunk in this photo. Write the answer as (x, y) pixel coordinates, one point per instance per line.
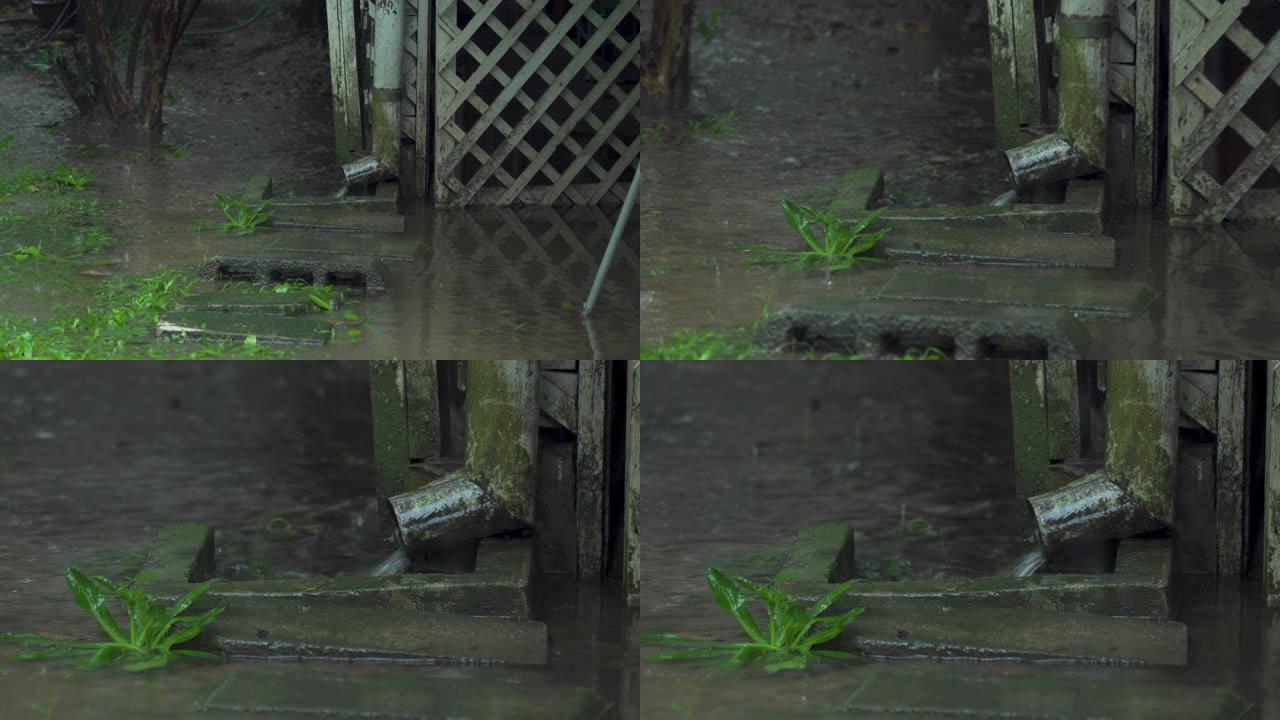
(669, 40)
(164, 31)
(108, 90)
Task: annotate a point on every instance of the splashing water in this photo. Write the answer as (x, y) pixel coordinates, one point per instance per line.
(1004, 198)
(1030, 563)
(393, 565)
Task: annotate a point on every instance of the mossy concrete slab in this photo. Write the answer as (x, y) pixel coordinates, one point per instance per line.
(295, 629)
(337, 218)
(320, 243)
(181, 553)
(967, 245)
(1138, 588)
(1081, 212)
(974, 693)
(880, 328)
(269, 267)
(1014, 634)
(266, 302)
(820, 554)
(858, 192)
(497, 588)
(266, 329)
(1100, 298)
(250, 691)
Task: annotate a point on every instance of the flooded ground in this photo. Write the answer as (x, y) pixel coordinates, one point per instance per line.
(738, 457)
(95, 458)
(783, 105)
(499, 284)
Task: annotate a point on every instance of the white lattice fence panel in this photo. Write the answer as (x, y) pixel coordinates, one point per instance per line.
(535, 107)
(1202, 111)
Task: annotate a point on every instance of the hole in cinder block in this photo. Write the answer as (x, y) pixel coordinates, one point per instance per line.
(285, 276)
(225, 272)
(900, 344)
(1013, 348)
(349, 278)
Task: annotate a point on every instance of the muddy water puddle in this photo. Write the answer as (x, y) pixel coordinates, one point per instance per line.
(276, 457)
(917, 459)
(785, 106)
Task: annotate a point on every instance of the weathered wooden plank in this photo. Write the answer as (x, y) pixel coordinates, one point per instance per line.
(1185, 111)
(422, 409)
(1198, 398)
(1147, 40)
(592, 467)
(631, 513)
(1247, 174)
(1030, 427)
(390, 430)
(1230, 460)
(558, 397)
(424, 126)
(1271, 500)
(1004, 79)
(348, 131)
(1191, 55)
(1026, 49)
(1062, 406)
(1194, 528)
(555, 511)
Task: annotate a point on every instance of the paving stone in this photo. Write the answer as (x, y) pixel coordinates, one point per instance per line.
(1138, 588)
(820, 554)
(1081, 212)
(876, 328)
(337, 218)
(294, 629)
(960, 244)
(267, 329)
(917, 692)
(266, 302)
(318, 268)
(308, 693)
(497, 588)
(942, 631)
(1101, 298)
(857, 192)
(320, 243)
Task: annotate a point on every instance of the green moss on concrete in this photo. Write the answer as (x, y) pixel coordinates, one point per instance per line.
(390, 431)
(858, 191)
(1142, 416)
(181, 553)
(820, 554)
(1030, 427)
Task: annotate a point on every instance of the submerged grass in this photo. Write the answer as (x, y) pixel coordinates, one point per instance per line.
(149, 640)
(794, 631)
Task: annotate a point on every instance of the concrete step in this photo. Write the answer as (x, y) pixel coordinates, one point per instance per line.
(878, 328)
(294, 629)
(304, 692)
(967, 245)
(235, 327)
(268, 267)
(384, 249)
(264, 302)
(1089, 297)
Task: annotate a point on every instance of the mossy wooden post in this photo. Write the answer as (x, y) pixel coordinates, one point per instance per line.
(669, 40)
(1142, 432)
(592, 451)
(1030, 427)
(631, 513)
(1017, 68)
(1271, 490)
(390, 427)
(502, 431)
(1230, 460)
(422, 410)
(348, 135)
(1062, 404)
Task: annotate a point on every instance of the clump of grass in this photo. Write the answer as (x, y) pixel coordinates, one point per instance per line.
(842, 246)
(242, 218)
(712, 126)
(710, 27)
(149, 639)
(705, 345)
(794, 631)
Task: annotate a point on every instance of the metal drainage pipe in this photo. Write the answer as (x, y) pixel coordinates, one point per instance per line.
(451, 510)
(387, 17)
(1079, 145)
(1095, 507)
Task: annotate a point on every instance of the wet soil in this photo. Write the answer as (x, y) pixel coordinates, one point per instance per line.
(917, 458)
(95, 458)
(256, 102)
(784, 104)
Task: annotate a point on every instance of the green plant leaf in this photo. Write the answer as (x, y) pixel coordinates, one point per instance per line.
(89, 597)
(730, 598)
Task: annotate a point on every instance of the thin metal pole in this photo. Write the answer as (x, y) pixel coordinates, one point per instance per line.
(613, 243)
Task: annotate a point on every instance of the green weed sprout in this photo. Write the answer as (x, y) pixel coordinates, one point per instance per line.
(147, 642)
(241, 218)
(793, 631)
(841, 246)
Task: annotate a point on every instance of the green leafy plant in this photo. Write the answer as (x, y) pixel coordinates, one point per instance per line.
(243, 219)
(711, 126)
(6, 141)
(68, 178)
(150, 638)
(841, 246)
(710, 27)
(792, 636)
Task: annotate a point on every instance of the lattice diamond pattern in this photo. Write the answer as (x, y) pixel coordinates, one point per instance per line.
(535, 109)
